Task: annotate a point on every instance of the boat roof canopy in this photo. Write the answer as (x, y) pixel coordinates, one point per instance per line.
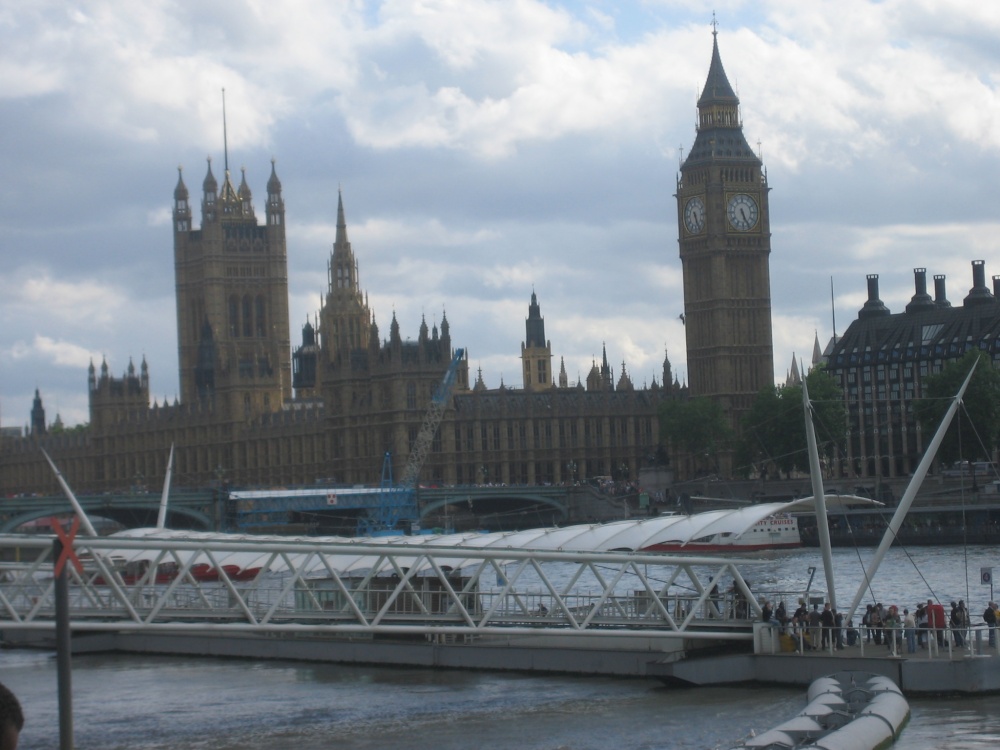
(617, 536)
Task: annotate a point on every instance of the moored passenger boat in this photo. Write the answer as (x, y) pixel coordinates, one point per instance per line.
(780, 531)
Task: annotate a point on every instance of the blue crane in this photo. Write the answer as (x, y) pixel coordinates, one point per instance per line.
(399, 503)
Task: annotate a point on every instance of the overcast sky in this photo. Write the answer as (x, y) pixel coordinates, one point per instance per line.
(485, 149)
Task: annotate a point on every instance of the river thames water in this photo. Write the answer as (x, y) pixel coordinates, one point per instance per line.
(143, 702)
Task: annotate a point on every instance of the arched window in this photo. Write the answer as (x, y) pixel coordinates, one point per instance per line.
(247, 316)
(234, 317)
(260, 318)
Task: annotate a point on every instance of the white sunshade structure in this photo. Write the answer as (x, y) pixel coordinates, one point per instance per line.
(150, 579)
(617, 536)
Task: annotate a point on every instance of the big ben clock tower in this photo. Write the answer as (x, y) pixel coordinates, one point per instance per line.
(724, 235)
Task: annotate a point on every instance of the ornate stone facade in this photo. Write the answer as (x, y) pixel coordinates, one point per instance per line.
(356, 398)
(725, 240)
(232, 298)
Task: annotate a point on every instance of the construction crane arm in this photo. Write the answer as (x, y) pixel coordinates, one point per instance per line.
(422, 445)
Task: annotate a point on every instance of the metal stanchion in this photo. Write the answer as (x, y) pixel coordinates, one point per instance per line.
(64, 668)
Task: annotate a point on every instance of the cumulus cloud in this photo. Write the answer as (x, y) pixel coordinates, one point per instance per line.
(62, 353)
(491, 147)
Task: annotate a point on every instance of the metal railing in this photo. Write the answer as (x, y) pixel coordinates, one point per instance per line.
(922, 642)
(186, 584)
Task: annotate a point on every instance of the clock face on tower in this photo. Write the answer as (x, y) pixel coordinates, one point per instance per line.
(742, 210)
(694, 215)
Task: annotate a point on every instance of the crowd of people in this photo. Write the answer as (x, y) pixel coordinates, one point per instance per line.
(928, 625)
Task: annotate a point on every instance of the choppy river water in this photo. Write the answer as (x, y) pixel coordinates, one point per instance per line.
(141, 702)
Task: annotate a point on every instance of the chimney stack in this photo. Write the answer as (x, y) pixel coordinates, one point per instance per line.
(940, 298)
(874, 306)
(921, 300)
(979, 293)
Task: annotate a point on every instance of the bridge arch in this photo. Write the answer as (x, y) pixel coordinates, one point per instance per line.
(138, 514)
(498, 503)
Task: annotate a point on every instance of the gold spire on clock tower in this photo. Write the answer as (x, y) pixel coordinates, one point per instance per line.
(724, 236)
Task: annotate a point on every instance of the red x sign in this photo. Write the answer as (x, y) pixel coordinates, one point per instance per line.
(67, 545)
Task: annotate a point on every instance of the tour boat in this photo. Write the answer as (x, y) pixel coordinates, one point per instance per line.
(206, 572)
(774, 532)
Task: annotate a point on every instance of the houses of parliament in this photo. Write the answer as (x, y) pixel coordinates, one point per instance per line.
(254, 410)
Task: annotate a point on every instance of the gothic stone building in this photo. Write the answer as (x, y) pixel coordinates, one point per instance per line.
(356, 397)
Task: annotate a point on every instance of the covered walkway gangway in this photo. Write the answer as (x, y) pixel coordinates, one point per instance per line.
(173, 582)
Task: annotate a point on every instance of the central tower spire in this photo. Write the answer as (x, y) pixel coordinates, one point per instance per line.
(225, 134)
(536, 352)
(718, 104)
(345, 319)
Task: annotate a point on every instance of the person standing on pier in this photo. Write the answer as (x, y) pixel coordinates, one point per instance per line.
(957, 622)
(852, 633)
(875, 623)
(815, 625)
(922, 625)
(827, 622)
(936, 621)
(892, 629)
(910, 631)
(990, 618)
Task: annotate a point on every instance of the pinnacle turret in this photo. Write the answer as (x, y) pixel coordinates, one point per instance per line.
(273, 183)
(341, 238)
(275, 204)
(209, 185)
(181, 191)
(343, 268)
(182, 206)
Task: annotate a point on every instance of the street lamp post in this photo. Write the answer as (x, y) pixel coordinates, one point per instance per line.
(222, 517)
(571, 470)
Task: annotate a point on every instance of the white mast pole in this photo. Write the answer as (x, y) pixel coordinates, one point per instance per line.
(911, 492)
(77, 508)
(161, 518)
(819, 497)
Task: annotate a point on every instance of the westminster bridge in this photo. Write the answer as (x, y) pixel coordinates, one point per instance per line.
(474, 506)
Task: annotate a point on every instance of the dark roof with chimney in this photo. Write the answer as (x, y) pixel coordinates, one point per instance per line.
(926, 330)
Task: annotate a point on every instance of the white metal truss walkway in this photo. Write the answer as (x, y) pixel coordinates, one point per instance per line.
(182, 584)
